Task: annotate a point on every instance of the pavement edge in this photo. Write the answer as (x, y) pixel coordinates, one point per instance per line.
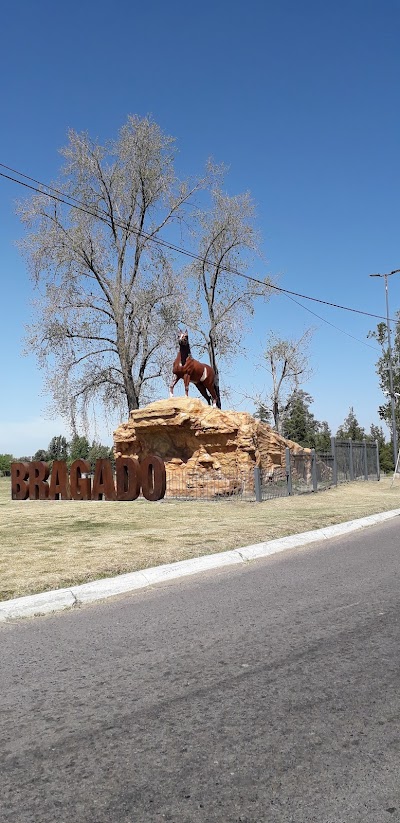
(60, 599)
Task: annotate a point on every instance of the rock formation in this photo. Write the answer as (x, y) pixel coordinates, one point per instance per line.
(198, 442)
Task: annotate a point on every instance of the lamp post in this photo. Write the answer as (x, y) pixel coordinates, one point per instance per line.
(391, 388)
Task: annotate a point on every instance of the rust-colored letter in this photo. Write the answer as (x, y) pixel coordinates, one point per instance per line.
(103, 481)
(19, 477)
(153, 476)
(80, 486)
(59, 485)
(128, 478)
(38, 485)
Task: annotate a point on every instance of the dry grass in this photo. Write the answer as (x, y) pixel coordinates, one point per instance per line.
(51, 544)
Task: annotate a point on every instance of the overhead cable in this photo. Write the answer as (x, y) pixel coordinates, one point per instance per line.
(103, 216)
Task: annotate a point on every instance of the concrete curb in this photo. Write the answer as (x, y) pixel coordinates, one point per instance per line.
(59, 599)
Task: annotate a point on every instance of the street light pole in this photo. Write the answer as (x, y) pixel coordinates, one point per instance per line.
(391, 386)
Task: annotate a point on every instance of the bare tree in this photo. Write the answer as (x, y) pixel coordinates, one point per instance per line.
(287, 361)
(225, 238)
(107, 294)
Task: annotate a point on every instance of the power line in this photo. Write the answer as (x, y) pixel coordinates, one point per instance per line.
(375, 348)
(39, 183)
(285, 291)
(77, 204)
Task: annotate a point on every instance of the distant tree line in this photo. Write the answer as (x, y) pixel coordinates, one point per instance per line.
(60, 448)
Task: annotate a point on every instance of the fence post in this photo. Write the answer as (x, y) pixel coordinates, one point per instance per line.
(288, 471)
(351, 460)
(334, 467)
(257, 484)
(378, 468)
(314, 470)
(365, 460)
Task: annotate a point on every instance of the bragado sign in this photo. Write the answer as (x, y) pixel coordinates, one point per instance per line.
(33, 480)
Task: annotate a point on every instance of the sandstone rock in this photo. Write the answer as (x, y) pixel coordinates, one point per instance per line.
(198, 442)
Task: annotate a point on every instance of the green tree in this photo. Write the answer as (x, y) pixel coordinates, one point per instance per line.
(350, 428)
(41, 454)
(263, 413)
(382, 370)
(5, 463)
(376, 433)
(323, 437)
(78, 448)
(97, 452)
(57, 448)
(385, 448)
(299, 424)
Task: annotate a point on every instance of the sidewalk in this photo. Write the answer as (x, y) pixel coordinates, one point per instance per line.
(59, 599)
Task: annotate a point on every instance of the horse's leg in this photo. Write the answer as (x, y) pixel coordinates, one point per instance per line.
(186, 381)
(216, 387)
(214, 396)
(175, 378)
(203, 391)
(209, 384)
(213, 388)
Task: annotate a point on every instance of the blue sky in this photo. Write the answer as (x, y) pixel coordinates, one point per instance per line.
(299, 99)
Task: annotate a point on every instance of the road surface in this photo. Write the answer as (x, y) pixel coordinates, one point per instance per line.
(269, 692)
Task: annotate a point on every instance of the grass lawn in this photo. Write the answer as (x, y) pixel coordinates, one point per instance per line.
(52, 544)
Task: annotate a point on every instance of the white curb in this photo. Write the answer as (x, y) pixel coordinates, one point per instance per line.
(36, 604)
(52, 601)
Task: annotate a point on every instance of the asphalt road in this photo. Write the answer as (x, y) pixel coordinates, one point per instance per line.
(262, 693)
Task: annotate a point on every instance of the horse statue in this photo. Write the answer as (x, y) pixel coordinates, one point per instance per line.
(191, 371)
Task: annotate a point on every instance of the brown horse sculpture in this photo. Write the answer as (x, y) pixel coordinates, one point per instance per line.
(191, 371)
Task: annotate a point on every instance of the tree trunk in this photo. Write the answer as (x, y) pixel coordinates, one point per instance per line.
(275, 412)
(211, 354)
(130, 391)
(213, 364)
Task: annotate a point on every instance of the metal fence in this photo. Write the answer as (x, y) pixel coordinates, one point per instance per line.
(324, 469)
(311, 471)
(305, 471)
(352, 460)
(355, 460)
(193, 485)
(269, 485)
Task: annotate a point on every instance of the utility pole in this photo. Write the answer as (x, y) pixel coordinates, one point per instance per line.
(391, 388)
